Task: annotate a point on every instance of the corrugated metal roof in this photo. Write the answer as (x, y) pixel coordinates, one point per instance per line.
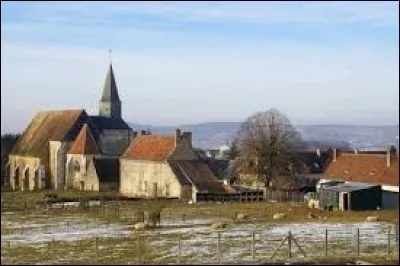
(349, 186)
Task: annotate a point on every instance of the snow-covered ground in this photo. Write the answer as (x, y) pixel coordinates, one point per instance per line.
(199, 242)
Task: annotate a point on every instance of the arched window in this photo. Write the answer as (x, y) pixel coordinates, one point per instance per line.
(26, 179)
(37, 183)
(76, 166)
(17, 179)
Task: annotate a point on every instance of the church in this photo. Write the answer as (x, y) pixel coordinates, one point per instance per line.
(60, 145)
(70, 149)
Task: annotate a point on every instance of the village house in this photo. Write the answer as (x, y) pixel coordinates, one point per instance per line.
(69, 149)
(162, 166)
(370, 168)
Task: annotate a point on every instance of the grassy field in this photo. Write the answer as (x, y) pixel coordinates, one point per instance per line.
(263, 211)
(34, 233)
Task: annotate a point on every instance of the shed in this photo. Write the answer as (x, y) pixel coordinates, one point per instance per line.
(351, 196)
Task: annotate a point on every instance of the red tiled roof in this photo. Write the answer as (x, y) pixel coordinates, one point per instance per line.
(150, 148)
(365, 168)
(84, 143)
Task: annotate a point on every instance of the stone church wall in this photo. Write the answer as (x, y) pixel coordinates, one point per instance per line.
(28, 167)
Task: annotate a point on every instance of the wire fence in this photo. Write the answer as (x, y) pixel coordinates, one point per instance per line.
(86, 242)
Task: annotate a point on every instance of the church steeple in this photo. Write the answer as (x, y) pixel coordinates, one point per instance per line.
(110, 104)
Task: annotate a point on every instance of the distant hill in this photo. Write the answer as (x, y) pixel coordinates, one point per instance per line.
(213, 135)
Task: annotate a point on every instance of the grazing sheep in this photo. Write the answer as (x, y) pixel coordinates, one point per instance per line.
(372, 219)
(141, 226)
(241, 216)
(220, 225)
(278, 216)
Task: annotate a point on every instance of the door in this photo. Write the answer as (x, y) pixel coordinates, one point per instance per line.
(17, 179)
(36, 185)
(82, 185)
(155, 190)
(345, 201)
(167, 190)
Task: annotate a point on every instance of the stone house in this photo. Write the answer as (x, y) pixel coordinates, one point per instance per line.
(42, 157)
(160, 166)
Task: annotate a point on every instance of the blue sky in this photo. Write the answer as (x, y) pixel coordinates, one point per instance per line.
(191, 62)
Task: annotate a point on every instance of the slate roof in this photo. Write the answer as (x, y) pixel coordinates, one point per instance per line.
(104, 123)
(110, 92)
(223, 169)
(197, 173)
(84, 143)
(107, 169)
(150, 148)
(365, 168)
(45, 126)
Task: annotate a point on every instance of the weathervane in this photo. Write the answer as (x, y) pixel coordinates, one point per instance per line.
(110, 55)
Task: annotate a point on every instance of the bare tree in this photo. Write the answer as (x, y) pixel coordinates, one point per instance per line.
(269, 145)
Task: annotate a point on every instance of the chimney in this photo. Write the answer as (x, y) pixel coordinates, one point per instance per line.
(334, 155)
(177, 136)
(391, 152)
(318, 152)
(188, 137)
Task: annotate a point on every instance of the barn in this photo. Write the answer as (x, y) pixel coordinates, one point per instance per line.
(350, 196)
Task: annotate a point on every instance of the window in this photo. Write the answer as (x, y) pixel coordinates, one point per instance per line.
(167, 189)
(139, 186)
(145, 186)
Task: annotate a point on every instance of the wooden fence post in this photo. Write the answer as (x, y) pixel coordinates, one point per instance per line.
(358, 242)
(138, 250)
(326, 242)
(179, 249)
(290, 244)
(388, 244)
(9, 248)
(97, 244)
(253, 251)
(218, 246)
(22, 229)
(396, 228)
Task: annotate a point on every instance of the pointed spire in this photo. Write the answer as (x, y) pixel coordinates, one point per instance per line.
(84, 143)
(110, 92)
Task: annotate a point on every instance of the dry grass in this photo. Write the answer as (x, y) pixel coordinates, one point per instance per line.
(121, 210)
(123, 250)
